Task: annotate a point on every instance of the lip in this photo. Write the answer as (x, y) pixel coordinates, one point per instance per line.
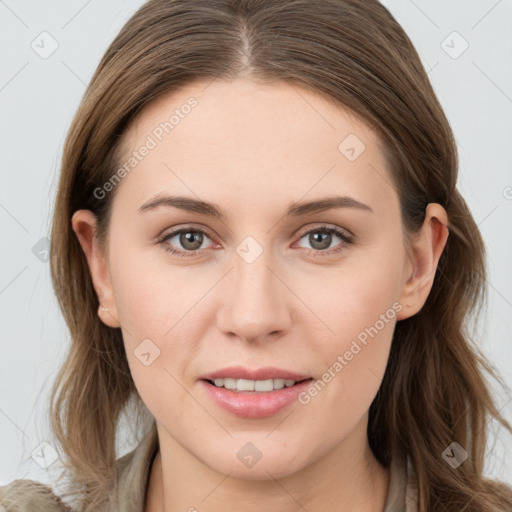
(239, 372)
(252, 404)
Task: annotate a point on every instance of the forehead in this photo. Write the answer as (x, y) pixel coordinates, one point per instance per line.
(252, 139)
(248, 111)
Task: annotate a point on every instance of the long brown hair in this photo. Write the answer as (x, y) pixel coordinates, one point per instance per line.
(355, 54)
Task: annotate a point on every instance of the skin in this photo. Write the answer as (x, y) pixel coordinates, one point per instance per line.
(252, 149)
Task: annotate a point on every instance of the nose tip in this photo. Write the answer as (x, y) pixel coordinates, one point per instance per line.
(254, 304)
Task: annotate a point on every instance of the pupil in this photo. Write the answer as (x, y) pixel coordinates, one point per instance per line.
(325, 240)
(191, 240)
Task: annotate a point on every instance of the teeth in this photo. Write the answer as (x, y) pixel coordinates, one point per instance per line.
(253, 385)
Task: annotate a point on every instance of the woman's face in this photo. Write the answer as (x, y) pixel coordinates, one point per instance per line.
(262, 285)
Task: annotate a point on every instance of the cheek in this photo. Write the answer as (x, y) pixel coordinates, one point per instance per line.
(354, 361)
(359, 305)
(152, 295)
(162, 317)
(358, 297)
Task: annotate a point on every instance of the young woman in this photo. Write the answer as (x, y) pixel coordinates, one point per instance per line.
(267, 270)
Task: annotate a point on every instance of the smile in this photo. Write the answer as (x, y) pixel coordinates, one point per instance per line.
(263, 386)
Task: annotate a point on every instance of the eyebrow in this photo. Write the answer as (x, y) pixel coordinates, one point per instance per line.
(295, 209)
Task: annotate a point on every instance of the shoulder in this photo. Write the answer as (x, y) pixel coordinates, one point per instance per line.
(29, 495)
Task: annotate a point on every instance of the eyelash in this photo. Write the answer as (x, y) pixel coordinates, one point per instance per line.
(344, 236)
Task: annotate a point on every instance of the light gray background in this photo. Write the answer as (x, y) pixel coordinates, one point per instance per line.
(38, 97)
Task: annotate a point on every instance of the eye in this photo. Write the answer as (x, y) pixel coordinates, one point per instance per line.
(321, 238)
(191, 239)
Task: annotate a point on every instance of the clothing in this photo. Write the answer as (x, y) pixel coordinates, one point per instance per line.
(133, 471)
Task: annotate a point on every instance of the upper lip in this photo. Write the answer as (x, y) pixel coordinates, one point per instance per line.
(239, 372)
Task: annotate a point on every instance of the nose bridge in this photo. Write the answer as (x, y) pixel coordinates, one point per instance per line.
(255, 304)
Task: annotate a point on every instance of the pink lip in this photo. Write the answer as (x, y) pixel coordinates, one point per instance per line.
(239, 372)
(252, 404)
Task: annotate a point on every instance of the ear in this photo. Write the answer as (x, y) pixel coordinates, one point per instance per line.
(425, 251)
(84, 224)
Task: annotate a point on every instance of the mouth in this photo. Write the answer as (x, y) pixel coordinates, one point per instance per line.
(254, 386)
(252, 399)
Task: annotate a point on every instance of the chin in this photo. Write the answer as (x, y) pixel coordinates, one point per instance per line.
(248, 462)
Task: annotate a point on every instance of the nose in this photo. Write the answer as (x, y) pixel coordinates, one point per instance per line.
(256, 302)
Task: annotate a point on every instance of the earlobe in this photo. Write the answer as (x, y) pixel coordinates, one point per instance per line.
(84, 225)
(426, 250)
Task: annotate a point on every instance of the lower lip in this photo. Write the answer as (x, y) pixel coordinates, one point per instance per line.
(251, 404)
